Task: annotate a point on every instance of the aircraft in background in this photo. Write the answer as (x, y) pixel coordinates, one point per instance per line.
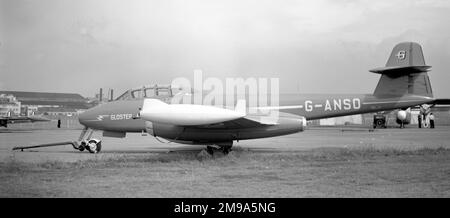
(404, 83)
(11, 119)
(405, 117)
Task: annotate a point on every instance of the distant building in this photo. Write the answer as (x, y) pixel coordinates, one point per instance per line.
(9, 103)
(345, 120)
(52, 111)
(49, 103)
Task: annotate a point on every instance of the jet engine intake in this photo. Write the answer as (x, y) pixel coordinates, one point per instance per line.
(403, 116)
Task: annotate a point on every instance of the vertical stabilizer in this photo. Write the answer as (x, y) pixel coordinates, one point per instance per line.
(406, 54)
(405, 73)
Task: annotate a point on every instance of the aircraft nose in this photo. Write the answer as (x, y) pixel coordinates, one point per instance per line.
(82, 117)
(87, 116)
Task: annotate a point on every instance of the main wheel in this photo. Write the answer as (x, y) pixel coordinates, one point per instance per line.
(94, 146)
(380, 123)
(210, 150)
(226, 149)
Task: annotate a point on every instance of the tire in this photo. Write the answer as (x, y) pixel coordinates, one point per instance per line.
(210, 150)
(226, 149)
(94, 149)
(80, 146)
(380, 123)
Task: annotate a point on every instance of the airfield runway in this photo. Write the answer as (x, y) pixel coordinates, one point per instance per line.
(320, 162)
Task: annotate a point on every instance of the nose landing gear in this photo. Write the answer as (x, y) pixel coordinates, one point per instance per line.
(93, 146)
(88, 143)
(84, 142)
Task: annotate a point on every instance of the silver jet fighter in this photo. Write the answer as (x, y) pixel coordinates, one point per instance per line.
(403, 83)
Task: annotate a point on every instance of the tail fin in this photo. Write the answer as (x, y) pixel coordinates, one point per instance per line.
(405, 73)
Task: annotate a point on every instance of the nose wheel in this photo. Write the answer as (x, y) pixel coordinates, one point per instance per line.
(80, 147)
(85, 142)
(94, 146)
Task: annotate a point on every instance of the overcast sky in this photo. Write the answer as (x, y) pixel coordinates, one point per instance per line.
(316, 46)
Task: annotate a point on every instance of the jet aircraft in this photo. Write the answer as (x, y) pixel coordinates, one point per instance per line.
(5, 120)
(403, 83)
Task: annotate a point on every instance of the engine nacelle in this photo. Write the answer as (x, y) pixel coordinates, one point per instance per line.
(403, 116)
(157, 111)
(287, 124)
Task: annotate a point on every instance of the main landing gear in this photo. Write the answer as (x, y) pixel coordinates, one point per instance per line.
(225, 147)
(86, 142)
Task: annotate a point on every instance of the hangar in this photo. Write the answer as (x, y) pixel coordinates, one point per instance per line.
(55, 106)
(42, 102)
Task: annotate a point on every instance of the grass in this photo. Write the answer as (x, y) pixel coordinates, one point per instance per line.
(235, 157)
(322, 172)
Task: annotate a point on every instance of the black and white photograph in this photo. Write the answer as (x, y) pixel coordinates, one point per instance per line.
(224, 99)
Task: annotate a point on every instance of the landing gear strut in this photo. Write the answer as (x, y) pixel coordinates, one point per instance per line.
(86, 142)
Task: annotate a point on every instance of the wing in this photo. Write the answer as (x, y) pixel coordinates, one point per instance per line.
(243, 122)
(251, 121)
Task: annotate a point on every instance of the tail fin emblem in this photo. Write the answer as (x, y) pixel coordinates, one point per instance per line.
(401, 55)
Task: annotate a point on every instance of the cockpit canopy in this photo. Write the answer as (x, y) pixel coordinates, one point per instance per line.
(149, 91)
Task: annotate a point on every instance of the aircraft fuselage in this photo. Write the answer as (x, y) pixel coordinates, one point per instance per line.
(122, 116)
